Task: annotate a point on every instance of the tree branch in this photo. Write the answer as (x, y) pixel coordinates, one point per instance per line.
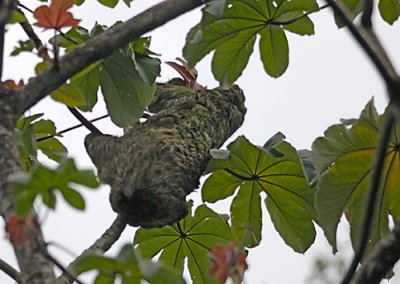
(98, 48)
(372, 46)
(10, 271)
(5, 11)
(381, 260)
(99, 247)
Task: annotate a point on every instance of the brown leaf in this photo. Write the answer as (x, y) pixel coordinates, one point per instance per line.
(12, 85)
(229, 260)
(55, 16)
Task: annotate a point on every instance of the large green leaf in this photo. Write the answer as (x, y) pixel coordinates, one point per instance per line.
(43, 181)
(344, 159)
(129, 267)
(276, 170)
(230, 27)
(125, 92)
(193, 238)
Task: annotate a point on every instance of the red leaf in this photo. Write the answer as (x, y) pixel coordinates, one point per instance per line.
(13, 85)
(55, 16)
(229, 260)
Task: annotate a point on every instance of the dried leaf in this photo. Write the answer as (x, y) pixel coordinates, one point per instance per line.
(55, 16)
(229, 260)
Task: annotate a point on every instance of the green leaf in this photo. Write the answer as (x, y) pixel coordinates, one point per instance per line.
(254, 170)
(69, 95)
(24, 46)
(16, 17)
(108, 3)
(230, 27)
(26, 140)
(344, 160)
(193, 238)
(274, 51)
(390, 10)
(51, 147)
(229, 61)
(72, 38)
(125, 92)
(129, 266)
(87, 81)
(219, 186)
(148, 67)
(44, 181)
(141, 46)
(354, 7)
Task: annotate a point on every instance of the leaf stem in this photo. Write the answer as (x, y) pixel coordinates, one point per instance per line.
(370, 202)
(99, 247)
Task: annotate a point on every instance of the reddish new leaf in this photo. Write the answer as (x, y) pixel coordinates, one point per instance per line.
(55, 16)
(13, 85)
(229, 260)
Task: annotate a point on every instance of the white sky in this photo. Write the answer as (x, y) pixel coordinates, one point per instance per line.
(328, 78)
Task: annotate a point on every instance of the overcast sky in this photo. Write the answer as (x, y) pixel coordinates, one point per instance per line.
(328, 78)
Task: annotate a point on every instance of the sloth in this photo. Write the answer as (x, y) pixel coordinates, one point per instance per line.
(157, 163)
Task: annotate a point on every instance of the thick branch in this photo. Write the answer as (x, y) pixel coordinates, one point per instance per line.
(10, 271)
(381, 260)
(98, 48)
(99, 247)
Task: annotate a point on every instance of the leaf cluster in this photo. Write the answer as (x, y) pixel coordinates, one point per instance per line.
(230, 27)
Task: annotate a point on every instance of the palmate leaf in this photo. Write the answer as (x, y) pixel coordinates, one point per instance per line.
(279, 173)
(43, 181)
(344, 160)
(129, 266)
(193, 238)
(230, 27)
(28, 130)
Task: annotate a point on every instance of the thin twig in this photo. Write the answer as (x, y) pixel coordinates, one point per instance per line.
(84, 121)
(63, 269)
(371, 45)
(370, 202)
(10, 271)
(381, 259)
(99, 247)
(70, 128)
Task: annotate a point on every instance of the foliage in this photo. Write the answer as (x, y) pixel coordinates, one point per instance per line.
(43, 181)
(301, 187)
(344, 159)
(192, 238)
(128, 266)
(254, 170)
(230, 27)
